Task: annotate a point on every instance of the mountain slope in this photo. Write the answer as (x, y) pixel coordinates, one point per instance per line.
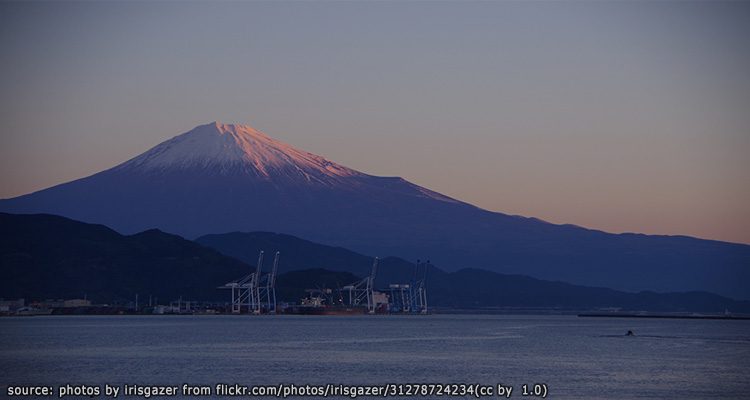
(236, 150)
(46, 256)
(221, 178)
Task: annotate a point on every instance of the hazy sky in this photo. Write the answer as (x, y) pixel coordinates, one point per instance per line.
(619, 116)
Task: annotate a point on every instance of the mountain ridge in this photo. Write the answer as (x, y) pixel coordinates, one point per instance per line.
(50, 257)
(47, 256)
(373, 215)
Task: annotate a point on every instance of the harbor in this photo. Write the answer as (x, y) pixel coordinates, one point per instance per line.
(254, 294)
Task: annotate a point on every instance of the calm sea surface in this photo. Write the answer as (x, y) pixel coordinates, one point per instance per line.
(576, 357)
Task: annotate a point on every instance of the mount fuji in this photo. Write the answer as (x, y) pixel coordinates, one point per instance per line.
(220, 178)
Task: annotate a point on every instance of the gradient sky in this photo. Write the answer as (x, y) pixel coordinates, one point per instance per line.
(618, 116)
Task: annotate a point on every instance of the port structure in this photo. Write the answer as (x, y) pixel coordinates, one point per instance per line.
(362, 290)
(255, 291)
(420, 287)
(410, 298)
(267, 291)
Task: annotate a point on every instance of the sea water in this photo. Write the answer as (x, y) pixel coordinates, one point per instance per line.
(573, 357)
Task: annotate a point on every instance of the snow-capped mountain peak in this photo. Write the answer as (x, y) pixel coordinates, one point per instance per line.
(232, 149)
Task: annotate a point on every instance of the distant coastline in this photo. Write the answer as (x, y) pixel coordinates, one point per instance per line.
(666, 316)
